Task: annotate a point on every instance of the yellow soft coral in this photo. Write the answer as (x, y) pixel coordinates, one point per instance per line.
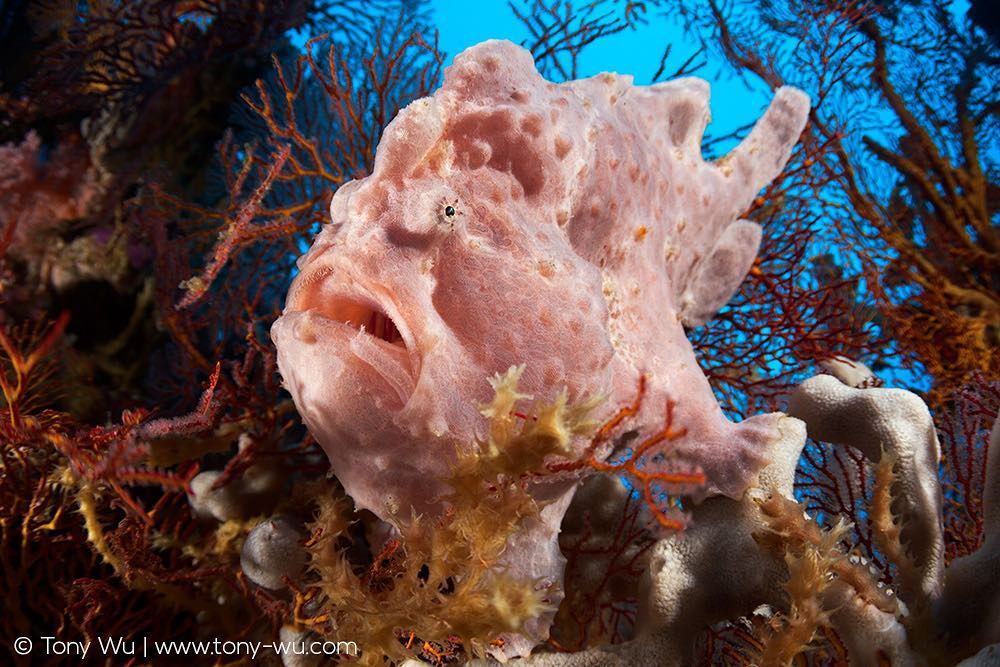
(441, 586)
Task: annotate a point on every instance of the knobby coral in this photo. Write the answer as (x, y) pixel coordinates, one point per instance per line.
(765, 558)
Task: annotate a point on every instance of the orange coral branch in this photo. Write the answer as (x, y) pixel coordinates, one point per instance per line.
(13, 390)
(634, 464)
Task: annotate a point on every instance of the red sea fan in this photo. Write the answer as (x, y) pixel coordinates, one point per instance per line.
(965, 438)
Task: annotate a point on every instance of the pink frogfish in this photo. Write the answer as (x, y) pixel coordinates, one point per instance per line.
(573, 228)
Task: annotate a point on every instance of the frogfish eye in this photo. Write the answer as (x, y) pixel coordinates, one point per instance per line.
(449, 211)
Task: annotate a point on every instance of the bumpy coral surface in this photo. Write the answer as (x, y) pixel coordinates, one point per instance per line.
(766, 560)
(509, 220)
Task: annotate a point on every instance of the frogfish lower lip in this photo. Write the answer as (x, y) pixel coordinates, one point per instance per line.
(356, 329)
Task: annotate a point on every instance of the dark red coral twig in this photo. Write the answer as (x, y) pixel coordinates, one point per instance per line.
(238, 232)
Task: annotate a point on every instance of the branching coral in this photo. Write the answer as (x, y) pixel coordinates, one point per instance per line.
(893, 426)
(103, 408)
(741, 558)
(968, 609)
(479, 235)
(606, 537)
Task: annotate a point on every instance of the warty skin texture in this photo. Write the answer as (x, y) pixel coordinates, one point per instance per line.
(585, 228)
(508, 220)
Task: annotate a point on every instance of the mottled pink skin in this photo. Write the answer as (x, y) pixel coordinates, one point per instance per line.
(584, 233)
(586, 228)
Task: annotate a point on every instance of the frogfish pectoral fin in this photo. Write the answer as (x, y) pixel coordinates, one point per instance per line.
(761, 156)
(718, 275)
